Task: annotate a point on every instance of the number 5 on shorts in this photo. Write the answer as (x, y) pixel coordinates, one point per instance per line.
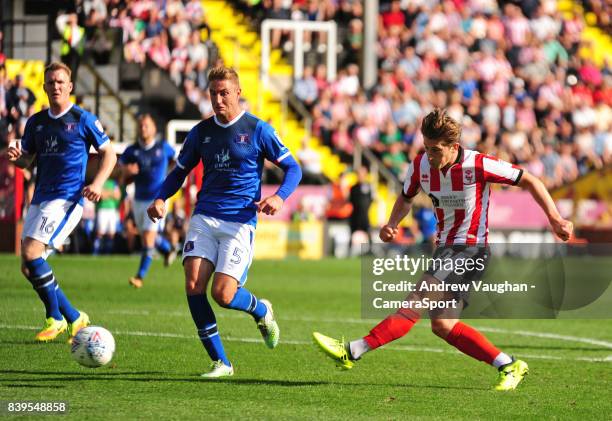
(236, 259)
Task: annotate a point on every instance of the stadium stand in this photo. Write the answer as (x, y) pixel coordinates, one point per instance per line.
(530, 81)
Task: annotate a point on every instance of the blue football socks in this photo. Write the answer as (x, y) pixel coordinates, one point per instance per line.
(247, 302)
(69, 312)
(145, 262)
(204, 319)
(42, 279)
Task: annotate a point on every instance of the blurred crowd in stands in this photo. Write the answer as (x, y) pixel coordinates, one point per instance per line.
(170, 34)
(16, 105)
(510, 72)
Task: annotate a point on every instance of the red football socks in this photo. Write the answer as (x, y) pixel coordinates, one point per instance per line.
(392, 328)
(473, 343)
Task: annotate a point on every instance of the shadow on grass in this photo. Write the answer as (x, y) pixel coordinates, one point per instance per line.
(31, 342)
(129, 376)
(79, 373)
(72, 377)
(32, 386)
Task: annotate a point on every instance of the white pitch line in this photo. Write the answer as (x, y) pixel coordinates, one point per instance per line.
(234, 315)
(549, 336)
(566, 338)
(297, 342)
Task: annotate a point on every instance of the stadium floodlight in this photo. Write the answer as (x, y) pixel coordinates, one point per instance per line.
(298, 28)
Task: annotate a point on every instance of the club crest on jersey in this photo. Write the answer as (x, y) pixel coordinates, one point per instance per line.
(39, 128)
(468, 176)
(189, 246)
(69, 127)
(242, 138)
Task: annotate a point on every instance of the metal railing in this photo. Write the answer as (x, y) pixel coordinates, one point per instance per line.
(17, 35)
(101, 88)
(377, 168)
(298, 28)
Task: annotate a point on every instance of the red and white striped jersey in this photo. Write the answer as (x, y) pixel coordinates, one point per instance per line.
(461, 194)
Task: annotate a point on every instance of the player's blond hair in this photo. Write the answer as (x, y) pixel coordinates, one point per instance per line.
(223, 73)
(56, 65)
(438, 125)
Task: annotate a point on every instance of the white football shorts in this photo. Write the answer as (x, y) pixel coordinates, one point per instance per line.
(143, 222)
(227, 245)
(106, 221)
(51, 222)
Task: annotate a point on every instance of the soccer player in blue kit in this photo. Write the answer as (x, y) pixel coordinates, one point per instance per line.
(232, 146)
(146, 161)
(58, 139)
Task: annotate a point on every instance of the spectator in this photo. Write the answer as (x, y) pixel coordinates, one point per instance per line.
(305, 88)
(107, 217)
(20, 104)
(361, 198)
(73, 41)
(310, 160)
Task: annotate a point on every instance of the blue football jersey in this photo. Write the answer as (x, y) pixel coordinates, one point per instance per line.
(152, 166)
(233, 157)
(61, 144)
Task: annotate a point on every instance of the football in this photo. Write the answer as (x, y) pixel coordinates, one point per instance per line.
(93, 346)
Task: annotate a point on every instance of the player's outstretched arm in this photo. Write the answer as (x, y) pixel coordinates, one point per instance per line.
(293, 174)
(562, 227)
(108, 159)
(18, 157)
(172, 183)
(401, 208)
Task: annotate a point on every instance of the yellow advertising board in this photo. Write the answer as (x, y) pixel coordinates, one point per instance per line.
(279, 240)
(306, 239)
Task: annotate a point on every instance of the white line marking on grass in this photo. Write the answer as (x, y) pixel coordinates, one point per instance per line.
(297, 342)
(566, 338)
(235, 315)
(549, 336)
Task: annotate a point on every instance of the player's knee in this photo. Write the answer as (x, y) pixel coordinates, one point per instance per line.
(442, 327)
(223, 296)
(29, 253)
(192, 286)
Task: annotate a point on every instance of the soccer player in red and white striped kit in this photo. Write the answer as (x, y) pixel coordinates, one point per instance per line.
(458, 182)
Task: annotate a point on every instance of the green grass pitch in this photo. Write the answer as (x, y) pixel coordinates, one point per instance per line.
(156, 368)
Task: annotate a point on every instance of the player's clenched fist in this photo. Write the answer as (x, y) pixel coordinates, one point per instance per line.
(563, 229)
(92, 192)
(387, 233)
(270, 205)
(14, 152)
(156, 210)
